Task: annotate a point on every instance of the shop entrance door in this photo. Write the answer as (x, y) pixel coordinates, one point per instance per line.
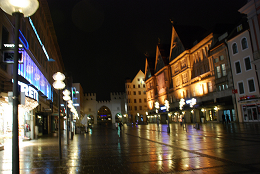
(252, 114)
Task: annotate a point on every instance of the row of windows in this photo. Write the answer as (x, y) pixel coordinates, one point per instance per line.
(247, 64)
(135, 100)
(221, 70)
(130, 108)
(243, 44)
(139, 92)
(139, 86)
(250, 84)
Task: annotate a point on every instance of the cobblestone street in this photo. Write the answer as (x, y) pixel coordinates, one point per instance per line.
(214, 148)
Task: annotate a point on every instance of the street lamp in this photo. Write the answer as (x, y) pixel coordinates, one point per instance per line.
(59, 85)
(167, 105)
(66, 97)
(17, 8)
(157, 106)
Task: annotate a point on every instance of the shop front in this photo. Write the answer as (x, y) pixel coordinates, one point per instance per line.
(251, 112)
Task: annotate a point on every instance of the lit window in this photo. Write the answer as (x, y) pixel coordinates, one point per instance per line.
(223, 67)
(247, 63)
(244, 44)
(216, 60)
(234, 48)
(218, 71)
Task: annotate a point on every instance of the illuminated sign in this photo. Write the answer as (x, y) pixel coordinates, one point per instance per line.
(9, 57)
(192, 102)
(29, 91)
(32, 73)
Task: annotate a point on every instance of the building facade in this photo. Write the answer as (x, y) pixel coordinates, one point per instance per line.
(105, 111)
(136, 99)
(40, 59)
(246, 86)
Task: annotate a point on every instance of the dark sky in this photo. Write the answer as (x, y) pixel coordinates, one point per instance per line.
(103, 42)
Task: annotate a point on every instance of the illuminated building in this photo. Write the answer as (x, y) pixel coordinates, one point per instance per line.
(195, 77)
(246, 86)
(38, 105)
(136, 99)
(108, 111)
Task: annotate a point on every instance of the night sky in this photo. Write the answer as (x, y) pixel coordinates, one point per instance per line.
(103, 42)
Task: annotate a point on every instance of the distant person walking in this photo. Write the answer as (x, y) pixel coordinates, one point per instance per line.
(223, 118)
(227, 118)
(120, 125)
(116, 124)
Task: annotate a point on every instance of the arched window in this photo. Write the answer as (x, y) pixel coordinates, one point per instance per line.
(244, 43)
(234, 47)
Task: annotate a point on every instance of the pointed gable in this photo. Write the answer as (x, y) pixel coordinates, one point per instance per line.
(162, 56)
(184, 38)
(149, 67)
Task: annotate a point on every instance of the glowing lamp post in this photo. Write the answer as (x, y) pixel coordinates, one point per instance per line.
(17, 8)
(59, 85)
(66, 97)
(167, 105)
(157, 106)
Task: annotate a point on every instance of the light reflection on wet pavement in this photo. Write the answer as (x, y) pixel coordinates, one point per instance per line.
(215, 148)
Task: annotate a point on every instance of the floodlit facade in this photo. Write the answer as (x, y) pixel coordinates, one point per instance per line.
(246, 86)
(110, 111)
(136, 102)
(40, 59)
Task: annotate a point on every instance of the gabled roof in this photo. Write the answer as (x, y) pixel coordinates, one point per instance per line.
(162, 59)
(189, 34)
(149, 67)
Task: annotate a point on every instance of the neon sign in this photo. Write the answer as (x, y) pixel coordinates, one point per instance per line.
(31, 72)
(29, 91)
(38, 37)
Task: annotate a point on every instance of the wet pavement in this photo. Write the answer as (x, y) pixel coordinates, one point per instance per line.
(214, 148)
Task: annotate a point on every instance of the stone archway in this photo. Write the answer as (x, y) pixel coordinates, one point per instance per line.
(104, 115)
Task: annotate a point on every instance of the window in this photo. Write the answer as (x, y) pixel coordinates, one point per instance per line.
(247, 63)
(140, 100)
(234, 48)
(223, 67)
(216, 60)
(185, 78)
(218, 72)
(183, 63)
(134, 93)
(140, 108)
(241, 88)
(176, 67)
(177, 81)
(251, 85)
(221, 57)
(138, 86)
(133, 86)
(145, 100)
(210, 87)
(135, 108)
(134, 100)
(143, 85)
(139, 92)
(238, 68)
(244, 43)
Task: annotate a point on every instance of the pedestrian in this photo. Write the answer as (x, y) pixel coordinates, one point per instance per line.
(120, 125)
(158, 123)
(86, 128)
(116, 124)
(227, 118)
(223, 118)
